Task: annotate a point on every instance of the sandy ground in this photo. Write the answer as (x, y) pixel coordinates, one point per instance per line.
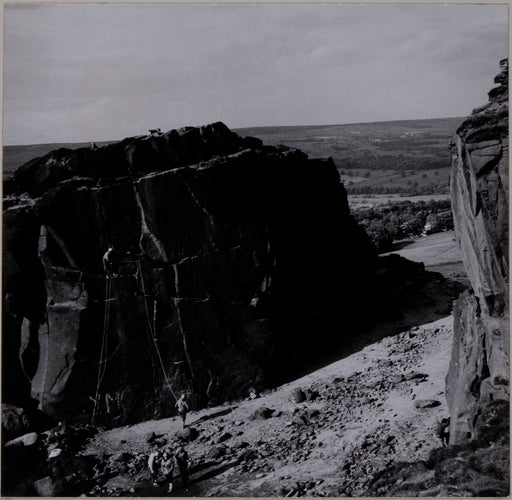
(434, 249)
(364, 418)
(439, 252)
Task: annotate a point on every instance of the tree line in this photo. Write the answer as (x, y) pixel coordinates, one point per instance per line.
(405, 219)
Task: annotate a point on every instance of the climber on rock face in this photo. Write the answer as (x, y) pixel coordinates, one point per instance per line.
(107, 261)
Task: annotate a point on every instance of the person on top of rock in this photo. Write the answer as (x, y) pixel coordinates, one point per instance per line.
(154, 462)
(182, 407)
(442, 430)
(167, 466)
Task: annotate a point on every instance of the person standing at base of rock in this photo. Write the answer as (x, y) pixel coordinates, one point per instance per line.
(56, 462)
(182, 462)
(442, 431)
(154, 462)
(167, 467)
(182, 407)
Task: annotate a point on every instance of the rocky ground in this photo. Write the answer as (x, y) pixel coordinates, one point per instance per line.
(330, 433)
(362, 425)
(325, 434)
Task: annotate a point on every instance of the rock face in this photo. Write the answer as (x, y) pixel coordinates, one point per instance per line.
(232, 263)
(479, 370)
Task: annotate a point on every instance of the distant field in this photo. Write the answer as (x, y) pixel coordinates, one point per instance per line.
(398, 181)
(408, 157)
(397, 145)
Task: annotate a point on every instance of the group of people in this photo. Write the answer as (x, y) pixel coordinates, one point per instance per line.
(162, 462)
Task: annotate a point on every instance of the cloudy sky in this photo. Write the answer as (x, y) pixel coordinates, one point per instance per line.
(106, 71)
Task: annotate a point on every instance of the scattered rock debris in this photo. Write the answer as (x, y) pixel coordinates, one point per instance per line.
(327, 434)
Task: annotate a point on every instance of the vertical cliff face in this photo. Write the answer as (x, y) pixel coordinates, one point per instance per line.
(233, 263)
(479, 370)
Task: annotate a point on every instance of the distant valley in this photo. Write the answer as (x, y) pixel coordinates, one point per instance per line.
(408, 157)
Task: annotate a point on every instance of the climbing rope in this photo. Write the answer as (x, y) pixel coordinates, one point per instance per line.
(105, 327)
(148, 331)
(151, 331)
(104, 342)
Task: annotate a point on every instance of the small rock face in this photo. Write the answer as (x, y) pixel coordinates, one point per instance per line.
(26, 440)
(262, 413)
(49, 487)
(217, 452)
(492, 422)
(224, 437)
(188, 434)
(14, 419)
(426, 403)
(299, 396)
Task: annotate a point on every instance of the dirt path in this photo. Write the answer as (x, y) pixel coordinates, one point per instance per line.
(372, 409)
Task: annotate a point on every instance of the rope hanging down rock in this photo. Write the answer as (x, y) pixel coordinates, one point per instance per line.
(151, 331)
(104, 341)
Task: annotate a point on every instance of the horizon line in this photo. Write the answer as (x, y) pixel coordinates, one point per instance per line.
(237, 128)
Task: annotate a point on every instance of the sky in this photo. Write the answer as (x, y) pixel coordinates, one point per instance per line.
(93, 72)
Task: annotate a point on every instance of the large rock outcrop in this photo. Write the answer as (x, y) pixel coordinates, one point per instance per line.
(236, 265)
(479, 370)
(234, 262)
